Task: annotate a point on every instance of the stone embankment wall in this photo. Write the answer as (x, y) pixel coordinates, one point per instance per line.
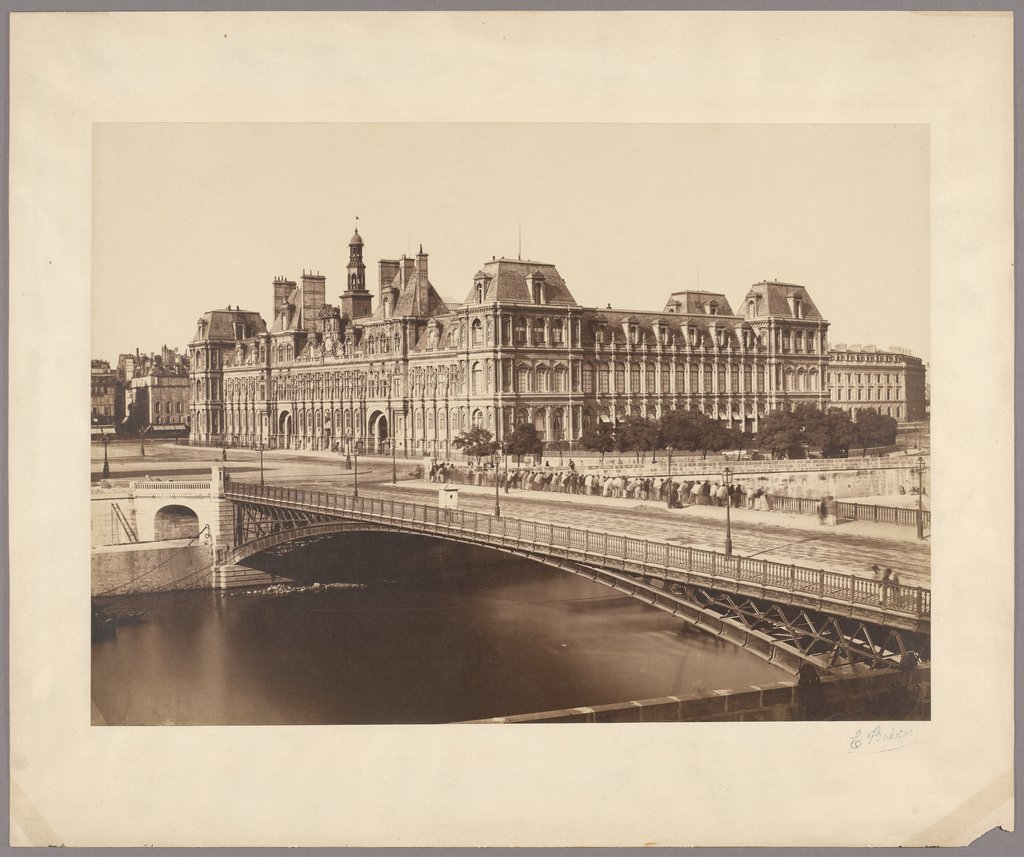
(149, 568)
(858, 694)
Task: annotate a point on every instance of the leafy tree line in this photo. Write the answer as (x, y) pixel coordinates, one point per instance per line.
(783, 434)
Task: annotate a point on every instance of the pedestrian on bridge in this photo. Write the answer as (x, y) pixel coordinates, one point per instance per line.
(884, 585)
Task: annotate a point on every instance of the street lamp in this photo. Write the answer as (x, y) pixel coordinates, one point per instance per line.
(355, 480)
(668, 493)
(394, 464)
(106, 463)
(727, 481)
(260, 447)
(919, 470)
(504, 452)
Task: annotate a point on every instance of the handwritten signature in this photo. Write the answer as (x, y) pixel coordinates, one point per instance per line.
(880, 739)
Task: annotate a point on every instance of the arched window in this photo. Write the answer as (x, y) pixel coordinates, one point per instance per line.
(478, 333)
(557, 424)
(519, 331)
(478, 418)
(478, 377)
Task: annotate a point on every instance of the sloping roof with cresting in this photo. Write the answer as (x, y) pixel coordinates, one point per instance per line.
(507, 283)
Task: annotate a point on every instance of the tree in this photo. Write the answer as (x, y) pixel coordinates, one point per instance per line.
(637, 435)
(874, 429)
(599, 437)
(711, 435)
(524, 441)
(476, 442)
(678, 430)
(781, 433)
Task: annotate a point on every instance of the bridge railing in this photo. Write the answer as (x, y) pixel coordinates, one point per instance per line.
(852, 511)
(146, 488)
(610, 548)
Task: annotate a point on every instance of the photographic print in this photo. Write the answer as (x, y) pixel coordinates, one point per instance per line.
(503, 424)
(600, 423)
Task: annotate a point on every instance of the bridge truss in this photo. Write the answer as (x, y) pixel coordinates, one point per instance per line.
(776, 620)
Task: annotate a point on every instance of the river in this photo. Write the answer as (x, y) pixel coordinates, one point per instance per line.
(403, 631)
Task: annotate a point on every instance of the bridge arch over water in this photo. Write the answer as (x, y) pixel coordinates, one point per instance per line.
(783, 614)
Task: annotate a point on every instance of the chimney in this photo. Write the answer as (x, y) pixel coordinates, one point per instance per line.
(421, 263)
(282, 288)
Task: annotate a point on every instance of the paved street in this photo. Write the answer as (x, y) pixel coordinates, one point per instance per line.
(849, 548)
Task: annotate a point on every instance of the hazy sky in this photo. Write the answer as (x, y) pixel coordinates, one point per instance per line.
(191, 217)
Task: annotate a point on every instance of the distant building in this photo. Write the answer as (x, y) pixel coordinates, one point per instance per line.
(104, 396)
(157, 404)
(891, 382)
(417, 370)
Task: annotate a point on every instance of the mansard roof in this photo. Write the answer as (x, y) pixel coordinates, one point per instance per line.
(417, 298)
(507, 283)
(695, 302)
(776, 300)
(675, 322)
(220, 325)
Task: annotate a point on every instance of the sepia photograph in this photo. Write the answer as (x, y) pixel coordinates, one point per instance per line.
(510, 423)
(511, 429)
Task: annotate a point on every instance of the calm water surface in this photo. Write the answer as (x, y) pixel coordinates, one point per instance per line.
(419, 641)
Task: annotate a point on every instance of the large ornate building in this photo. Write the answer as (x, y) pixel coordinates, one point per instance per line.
(891, 382)
(410, 369)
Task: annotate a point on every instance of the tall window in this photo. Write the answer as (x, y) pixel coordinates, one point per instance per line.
(603, 379)
(735, 378)
(478, 333)
(559, 379)
(520, 331)
(588, 379)
(666, 379)
(557, 333)
(522, 379)
(478, 379)
(650, 379)
(620, 378)
(543, 379)
(634, 378)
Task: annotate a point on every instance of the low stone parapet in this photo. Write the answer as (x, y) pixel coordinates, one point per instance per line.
(853, 694)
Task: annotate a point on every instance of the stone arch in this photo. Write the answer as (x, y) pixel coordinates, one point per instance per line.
(175, 521)
(284, 427)
(380, 432)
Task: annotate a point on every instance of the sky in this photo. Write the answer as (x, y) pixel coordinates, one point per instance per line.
(193, 217)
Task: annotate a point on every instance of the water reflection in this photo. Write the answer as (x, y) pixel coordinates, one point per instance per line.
(427, 637)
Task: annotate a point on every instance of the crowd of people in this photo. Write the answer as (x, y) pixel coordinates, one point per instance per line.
(569, 480)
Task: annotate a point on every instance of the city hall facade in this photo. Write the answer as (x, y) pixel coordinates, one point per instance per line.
(406, 368)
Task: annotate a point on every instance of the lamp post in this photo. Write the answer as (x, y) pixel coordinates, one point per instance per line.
(355, 480)
(106, 463)
(497, 495)
(394, 464)
(919, 470)
(727, 481)
(261, 463)
(668, 494)
(348, 452)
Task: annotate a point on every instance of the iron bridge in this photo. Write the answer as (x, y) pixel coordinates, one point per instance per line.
(786, 614)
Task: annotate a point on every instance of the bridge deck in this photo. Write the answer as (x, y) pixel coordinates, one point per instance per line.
(851, 548)
(906, 606)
